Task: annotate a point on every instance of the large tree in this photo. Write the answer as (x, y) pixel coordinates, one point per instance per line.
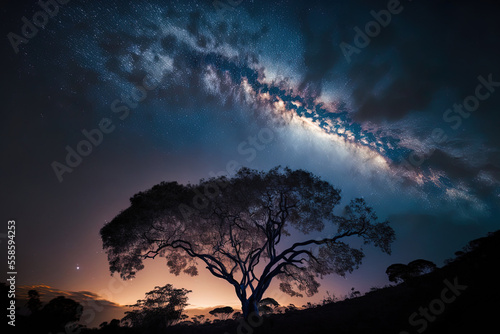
(247, 230)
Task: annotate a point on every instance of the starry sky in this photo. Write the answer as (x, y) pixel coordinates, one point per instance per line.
(395, 102)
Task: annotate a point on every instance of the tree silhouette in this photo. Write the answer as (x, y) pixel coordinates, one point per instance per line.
(399, 272)
(354, 293)
(199, 319)
(34, 304)
(59, 314)
(110, 328)
(222, 312)
(162, 307)
(268, 305)
(420, 267)
(329, 298)
(291, 308)
(232, 225)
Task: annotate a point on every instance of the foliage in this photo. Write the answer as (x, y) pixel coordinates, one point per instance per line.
(237, 315)
(329, 298)
(309, 305)
(197, 318)
(290, 308)
(354, 293)
(112, 327)
(222, 312)
(269, 301)
(399, 272)
(268, 305)
(200, 319)
(34, 304)
(57, 314)
(161, 307)
(60, 314)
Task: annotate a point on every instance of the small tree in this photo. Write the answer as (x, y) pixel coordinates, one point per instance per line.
(309, 305)
(354, 293)
(329, 298)
(112, 327)
(58, 313)
(268, 305)
(34, 304)
(222, 312)
(420, 267)
(290, 308)
(161, 308)
(199, 319)
(399, 272)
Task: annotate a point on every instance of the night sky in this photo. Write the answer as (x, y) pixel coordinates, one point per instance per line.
(404, 113)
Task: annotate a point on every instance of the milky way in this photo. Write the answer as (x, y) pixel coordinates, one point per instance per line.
(200, 54)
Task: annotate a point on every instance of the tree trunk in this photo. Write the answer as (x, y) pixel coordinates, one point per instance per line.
(249, 307)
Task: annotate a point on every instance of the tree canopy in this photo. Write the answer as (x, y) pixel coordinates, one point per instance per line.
(236, 228)
(34, 304)
(399, 272)
(268, 305)
(58, 314)
(222, 312)
(161, 307)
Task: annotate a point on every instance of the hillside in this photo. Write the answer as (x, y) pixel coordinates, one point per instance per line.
(470, 309)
